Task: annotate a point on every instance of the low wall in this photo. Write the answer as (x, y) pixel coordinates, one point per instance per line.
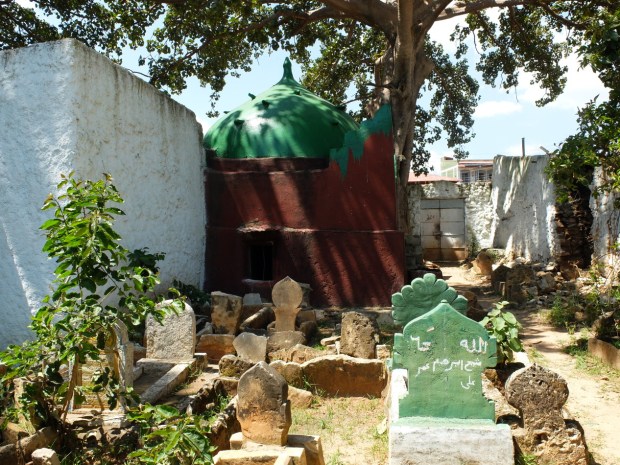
(64, 108)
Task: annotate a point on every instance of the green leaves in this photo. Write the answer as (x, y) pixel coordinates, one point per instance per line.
(505, 327)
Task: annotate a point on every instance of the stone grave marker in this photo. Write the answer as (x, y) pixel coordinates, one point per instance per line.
(226, 311)
(421, 296)
(540, 394)
(174, 338)
(251, 347)
(117, 356)
(287, 295)
(445, 354)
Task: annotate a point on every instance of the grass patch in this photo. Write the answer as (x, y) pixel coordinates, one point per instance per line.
(587, 363)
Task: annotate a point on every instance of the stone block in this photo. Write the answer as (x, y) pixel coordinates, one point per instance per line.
(290, 371)
(604, 351)
(311, 444)
(359, 335)
(483, 264)
(259, 320)
(167, 383)
(251, 347)
(299, 353)
(45, 456)
(234, 366)
(216, 346)
(226, 310)
(449, 442)
(174, 338)
(299, 398)
(284, 340)
(341, 375)
(261, 456)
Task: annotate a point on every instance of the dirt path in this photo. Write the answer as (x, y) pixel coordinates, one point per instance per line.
(594, 400)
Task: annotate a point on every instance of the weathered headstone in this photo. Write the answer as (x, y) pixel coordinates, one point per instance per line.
(483, 264)
(287, 296)
(263, 409)
(423, 295)
(226, 311)
(251, 347)
(445, 354)
(174, 338)
(117, 357)
(539, 394)
(359, 335)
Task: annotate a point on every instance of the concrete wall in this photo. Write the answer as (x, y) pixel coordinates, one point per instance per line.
(65, 107)
(524, 203)
(605, 225)
(479, 210)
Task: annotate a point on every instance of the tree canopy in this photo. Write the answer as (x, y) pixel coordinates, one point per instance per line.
(381, 47)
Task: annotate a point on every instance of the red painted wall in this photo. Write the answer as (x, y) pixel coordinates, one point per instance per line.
(337, 233)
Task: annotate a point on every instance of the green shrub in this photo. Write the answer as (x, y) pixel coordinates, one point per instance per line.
(505, 328)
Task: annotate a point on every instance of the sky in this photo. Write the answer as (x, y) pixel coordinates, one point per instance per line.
(501, 119)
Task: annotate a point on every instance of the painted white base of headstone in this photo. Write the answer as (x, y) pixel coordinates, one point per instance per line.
(427, 441)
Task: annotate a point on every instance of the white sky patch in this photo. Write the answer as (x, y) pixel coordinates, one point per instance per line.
(25, 3)
(205, 123)
(496, 108)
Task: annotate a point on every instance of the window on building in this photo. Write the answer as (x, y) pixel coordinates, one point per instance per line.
(465, 176)
(261, 261)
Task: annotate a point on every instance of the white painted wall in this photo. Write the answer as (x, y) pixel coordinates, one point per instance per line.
(524, 202)
(605, 225)
(64, 107)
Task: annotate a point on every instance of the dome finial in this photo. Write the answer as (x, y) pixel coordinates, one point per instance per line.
(287, 76)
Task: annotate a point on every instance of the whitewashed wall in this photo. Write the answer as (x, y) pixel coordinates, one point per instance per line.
(64, 107)
(479, 210)
(605, 225)
(524, 202)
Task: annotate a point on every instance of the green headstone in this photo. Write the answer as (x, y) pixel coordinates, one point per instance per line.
(445, 353)
(423, 295)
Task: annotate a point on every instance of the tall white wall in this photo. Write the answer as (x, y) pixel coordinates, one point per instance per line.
(64, 107)
(524, 202)
(605, 225)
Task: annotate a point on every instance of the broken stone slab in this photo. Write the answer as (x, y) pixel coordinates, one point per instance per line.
(448, 442)
(45, 456)
(260, 456)
(329, 341)
(263, 409)
(234, 366)
(216, 346)
(284, 340)
(251, 347)
(175, 337)
(13, 432)
(299, 398)
(308, 328)
(12, 454)
(260, 320)
(226, 310)
(311, 444)
(299, 353)
(172, 378)
(287, 296)
(290, 371)
(359, 335)
(540, 394)
(604, 351)
(341, 375)
(230, 384)
(306, 315)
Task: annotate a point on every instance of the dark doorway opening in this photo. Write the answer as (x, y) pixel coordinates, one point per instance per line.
(261, 261)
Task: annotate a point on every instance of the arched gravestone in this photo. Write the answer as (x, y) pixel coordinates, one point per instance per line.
(445, 353)
(421, 296)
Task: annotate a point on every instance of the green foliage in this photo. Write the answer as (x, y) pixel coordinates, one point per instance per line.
(144, 259)
(194, 295)
(505, 328)
(93, 288)
(170, 438)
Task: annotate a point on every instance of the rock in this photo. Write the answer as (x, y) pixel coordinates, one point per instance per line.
(284, 340)
(305, 315)
(225, 312)
(216, 346)
(287, 296)
(251, 347)
(329, 341)
(359, 335)
(139, 352)
(206, 329)
(383, 352)
(299, 353)
(13, 432)
(207, 397)
(546, 281)
(299, 398)
(341, 375)
(263, 409)
(290, 371)
(308, 328)
(520, 283)
(570, 272)
(45, 456)
(174, 338)
(483, 264)
(233, 366)
(259, 320)
(12, 454)
(540, 394)
(499, 276)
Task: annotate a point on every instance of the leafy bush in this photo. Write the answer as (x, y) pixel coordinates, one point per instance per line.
(505, 327)
(94, 286)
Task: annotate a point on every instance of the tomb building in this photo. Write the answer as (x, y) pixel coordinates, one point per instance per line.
(295, 187)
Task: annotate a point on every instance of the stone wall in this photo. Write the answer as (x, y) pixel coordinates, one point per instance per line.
(65, 107)
(605, 226)
(524, 203)
(478, 212)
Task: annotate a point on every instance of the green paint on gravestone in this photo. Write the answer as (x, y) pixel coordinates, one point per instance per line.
(423, 295)
(445, 353)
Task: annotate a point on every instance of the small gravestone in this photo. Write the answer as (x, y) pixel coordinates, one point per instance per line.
(445, 354)
(540, 394)
(287, 296)
(117, 358)
(174, 338)
(226, 311)
(263, 409)
(251, 347)
(359, 335)
(421, 296)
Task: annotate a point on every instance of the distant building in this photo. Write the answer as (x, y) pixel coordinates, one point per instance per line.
(466, 170)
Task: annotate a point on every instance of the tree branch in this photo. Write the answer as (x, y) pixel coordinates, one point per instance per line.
(461, 8)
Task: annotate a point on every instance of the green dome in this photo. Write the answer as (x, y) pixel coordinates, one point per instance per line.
(286, 121)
